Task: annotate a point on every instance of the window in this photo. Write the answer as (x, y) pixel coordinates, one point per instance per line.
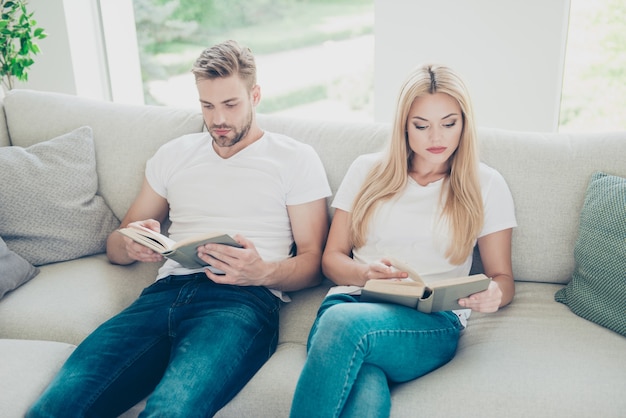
(313, 57)
(594, 83)
(316, 57)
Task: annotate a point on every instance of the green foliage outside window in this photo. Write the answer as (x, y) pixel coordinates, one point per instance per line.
(18, 33)
(172, 32)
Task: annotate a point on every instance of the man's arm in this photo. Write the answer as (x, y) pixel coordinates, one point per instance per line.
(244, 267)
(149, 209)
(309, 223)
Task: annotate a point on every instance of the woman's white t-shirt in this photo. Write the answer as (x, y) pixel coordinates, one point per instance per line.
(408, 227)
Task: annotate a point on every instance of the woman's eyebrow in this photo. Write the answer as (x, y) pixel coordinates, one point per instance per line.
(426, 120)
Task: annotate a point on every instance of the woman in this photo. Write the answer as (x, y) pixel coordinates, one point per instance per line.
(426, 200)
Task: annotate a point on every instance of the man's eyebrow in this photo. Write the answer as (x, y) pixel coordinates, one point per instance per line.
(225, 101)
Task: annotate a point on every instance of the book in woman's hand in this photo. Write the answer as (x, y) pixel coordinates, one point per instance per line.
(441, 295)
(184, 252)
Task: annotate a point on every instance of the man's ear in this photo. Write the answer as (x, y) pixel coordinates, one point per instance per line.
(256, 94)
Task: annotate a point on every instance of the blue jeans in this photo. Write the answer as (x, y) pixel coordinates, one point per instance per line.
(189, 343)
(356, 350)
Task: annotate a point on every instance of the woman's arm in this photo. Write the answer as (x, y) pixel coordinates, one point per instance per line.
(337, 262)
(495, 254)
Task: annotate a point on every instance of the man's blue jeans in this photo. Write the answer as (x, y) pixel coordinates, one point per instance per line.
(356, 349)
(188, 342)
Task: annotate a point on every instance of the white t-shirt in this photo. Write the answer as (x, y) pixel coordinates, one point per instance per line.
(245, 194)
(409, 228)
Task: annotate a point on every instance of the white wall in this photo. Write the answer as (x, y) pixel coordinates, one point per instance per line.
(52, 70)
(510, 53)
(78, 59)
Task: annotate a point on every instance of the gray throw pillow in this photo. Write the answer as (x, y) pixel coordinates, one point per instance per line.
(597, 290)
(49, 209)
(14, 270)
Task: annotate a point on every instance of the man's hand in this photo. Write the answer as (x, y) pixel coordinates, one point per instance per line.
(139, 252)
(242, 266)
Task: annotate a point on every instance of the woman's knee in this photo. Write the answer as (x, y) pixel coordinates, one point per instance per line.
(342, 325)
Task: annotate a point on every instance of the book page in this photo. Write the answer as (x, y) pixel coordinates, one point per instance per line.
(402, 266)
(147, 237)
(395, 287)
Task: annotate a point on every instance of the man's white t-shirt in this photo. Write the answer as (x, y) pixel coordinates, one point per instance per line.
(245, 194)
(409, 227)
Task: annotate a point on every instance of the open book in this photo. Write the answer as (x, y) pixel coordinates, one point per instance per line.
(184, 252)
(413, 292)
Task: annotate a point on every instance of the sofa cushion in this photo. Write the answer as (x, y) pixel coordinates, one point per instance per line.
(528, 349)
(49, 209)
(27, 367)
(15, 270)
(4, 132)
(548, 174)
(68, 300)
(597, 290)
(125, 136)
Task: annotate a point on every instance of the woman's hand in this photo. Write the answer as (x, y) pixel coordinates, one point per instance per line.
(486, 301)
(382, 270)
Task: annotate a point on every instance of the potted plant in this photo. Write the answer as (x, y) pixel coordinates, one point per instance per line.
(18, 33)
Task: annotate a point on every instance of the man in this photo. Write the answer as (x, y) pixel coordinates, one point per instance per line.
(194, 338)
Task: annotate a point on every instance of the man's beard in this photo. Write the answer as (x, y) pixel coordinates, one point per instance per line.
(224, 141)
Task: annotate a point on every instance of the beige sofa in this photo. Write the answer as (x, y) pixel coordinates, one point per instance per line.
(535, 358)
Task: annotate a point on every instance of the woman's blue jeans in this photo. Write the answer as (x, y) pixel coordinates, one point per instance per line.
(356, 349)
(189, 343)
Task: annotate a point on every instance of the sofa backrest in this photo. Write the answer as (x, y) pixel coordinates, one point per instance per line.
(4, 133)
(337, 143)
(547, 173)
(125, 136)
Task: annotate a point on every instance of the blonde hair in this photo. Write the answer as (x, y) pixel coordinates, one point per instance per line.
(460, 198)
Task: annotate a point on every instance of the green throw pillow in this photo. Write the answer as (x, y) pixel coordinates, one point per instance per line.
(597, 290)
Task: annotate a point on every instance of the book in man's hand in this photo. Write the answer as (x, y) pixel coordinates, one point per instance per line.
(184, 252)
(442, 295)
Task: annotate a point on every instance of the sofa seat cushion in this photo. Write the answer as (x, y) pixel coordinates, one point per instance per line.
(531, 359)
(597, 291)
(68, 300)
(49, 207)
(26, 369)
(528, 360)
(271, 390)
